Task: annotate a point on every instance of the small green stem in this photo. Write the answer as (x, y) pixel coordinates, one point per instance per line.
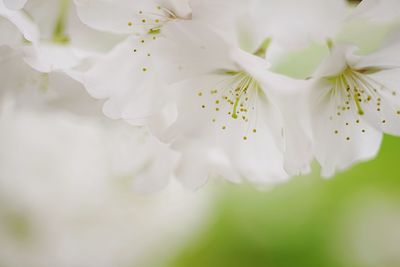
(59, 35)
(262, 50)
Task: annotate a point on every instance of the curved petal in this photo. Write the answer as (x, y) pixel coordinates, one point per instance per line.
(193, 49)
(10, 35)
(288, 95)
(280, 20)
(336, 61)
(112, 16)
(385, 58)
(384, 110)
(198, 163)
(296, 126)
(128, 78)
(181, 8)
(49, 57)
(377, 10)
(156, 164)
(14, 4)
(22, 22)
(125, 16)
(340, 139)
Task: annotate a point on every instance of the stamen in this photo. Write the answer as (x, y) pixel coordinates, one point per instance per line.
(151, 21)
(234, 98)
(356, 90)
(234, 114)
(358, 104)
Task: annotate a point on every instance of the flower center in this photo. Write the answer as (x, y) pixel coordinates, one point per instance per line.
(152, 21)
(356, 92)
(233, 101)
(149, 24)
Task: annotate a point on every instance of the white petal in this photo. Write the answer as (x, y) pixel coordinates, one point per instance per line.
(155, 169)
(340, 138)
(222, 16)
(112, 16)
(253, 65)
(296, 126)
(10, 35)
(377, 10)
(383, 58)
(193, 49)
(16, 76)
(127, 77)
(48, 57)
(14, 4)
(199, 162)
(64, 93)
(181, 8)
(336, 61)
(384, 109)
(288, 95)
(297, 25)
(22, 22)
(62, 15)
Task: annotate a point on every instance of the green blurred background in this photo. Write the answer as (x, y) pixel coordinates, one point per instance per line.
(350, 220)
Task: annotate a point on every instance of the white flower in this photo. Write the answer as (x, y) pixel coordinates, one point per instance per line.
(230, 105)
(34, 36)
(64, 40)
(354, 101)
(52, 36)
(130, 77)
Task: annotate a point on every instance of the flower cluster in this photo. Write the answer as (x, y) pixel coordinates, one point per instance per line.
(247, 90)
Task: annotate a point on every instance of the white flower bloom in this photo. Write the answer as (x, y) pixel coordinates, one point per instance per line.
(197, 75)
(130, 77)
(64, 40)
(45, 83)
(53, 38)
(230, 104)
(355, 100)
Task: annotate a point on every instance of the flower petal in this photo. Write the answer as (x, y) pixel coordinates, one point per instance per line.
(110, 15)
(384, 110)
(340, 138)
(22, 22)
(128, 79)
(377, 10)
(14, 4)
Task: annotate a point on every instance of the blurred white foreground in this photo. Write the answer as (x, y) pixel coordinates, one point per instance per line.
(66, 197)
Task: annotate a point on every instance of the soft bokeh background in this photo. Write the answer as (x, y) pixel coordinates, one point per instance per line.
(351, 220)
